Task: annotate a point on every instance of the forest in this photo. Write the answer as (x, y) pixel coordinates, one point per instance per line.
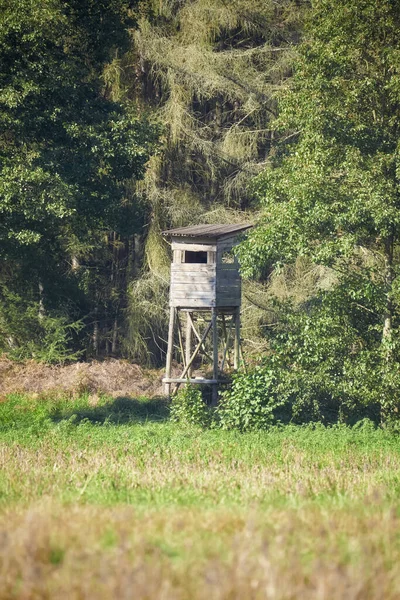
(123, 118)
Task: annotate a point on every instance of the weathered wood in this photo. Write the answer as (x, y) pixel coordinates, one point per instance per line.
(193, 287)
(192, 303)
(226, 293)
(228, 280)
(167, 387)
(207, 231)
(228, 274)
(227, 296)
(195, 353)
(231, 302)
(226, 267)
(193, 277)
(201, 268)
(213, 286)
(227, 340)
(191, 380)
(180, 337)
(187, 285)
(188, 341)
(225, 288)
(177, 245)
(242, 363)
(192, 294)
(177, 256)
(215, 355)
(193, 328)
(236, 355)
(228, 277)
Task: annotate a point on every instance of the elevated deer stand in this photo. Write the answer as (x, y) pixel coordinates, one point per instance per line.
(206, 287)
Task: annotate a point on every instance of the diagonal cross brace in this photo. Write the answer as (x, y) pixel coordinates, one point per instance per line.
(196, 351)
(198, 336)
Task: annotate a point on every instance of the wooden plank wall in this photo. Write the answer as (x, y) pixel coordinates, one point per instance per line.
(193, 285)
(229, 289)
(204, 285)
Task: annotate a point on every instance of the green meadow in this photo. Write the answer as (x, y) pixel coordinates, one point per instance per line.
(107, 498)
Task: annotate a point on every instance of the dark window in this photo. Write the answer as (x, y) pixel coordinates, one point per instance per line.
(196, 257)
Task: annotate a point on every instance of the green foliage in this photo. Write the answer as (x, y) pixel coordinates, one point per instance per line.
(126, 451)
(325, 363)
(65, 147)
(47, 339)
(189, 408)
(81, 480)
(331, 195)
(209, 69)
(66, 153)
(336, 186)
(27, 331)
(253, 401)
(147, 320)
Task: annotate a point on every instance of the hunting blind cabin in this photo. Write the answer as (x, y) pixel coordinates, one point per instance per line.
(206, 287)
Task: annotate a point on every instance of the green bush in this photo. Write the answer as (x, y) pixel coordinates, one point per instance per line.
(252, 402)
(326, 364)
(26, 333)
(188, 407)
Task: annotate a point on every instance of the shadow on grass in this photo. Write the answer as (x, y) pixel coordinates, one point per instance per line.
(121, 411)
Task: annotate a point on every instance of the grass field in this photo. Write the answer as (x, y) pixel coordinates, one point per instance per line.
(108, 499)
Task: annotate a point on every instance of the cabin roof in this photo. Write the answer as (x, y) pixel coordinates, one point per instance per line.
(207, 231)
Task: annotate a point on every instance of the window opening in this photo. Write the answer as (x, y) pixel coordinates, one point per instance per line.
(195, 257)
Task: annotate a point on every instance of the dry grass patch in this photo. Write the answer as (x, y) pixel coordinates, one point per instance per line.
(112, 377)
(51, 551)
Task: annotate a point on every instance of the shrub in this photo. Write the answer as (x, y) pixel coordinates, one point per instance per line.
(326, 363)
(26, 333)
(253, 401)
(188, 407)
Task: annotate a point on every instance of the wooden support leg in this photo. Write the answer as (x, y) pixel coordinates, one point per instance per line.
(167, 386)
(195, 353)
(180, 337)
(227, 335)
(188, 342)
(236, 356)
(215, 356)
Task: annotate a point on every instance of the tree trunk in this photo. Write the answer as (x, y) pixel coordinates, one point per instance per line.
(387, 406)
(74, 263)
(96, 332)
(42, 311)
(387, 333)
(114, 342)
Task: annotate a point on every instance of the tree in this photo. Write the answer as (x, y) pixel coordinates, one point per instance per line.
(66, 150)
(210, 69)
(331, 191)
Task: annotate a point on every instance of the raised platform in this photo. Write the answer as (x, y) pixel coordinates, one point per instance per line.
(198, 380)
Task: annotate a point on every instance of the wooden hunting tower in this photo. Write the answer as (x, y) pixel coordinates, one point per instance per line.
(206, 286)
